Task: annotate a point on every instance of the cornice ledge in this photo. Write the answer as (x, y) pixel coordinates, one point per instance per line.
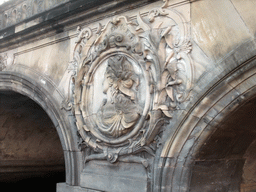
(52, 21)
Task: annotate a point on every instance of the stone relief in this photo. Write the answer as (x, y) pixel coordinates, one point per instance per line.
(119, 111)
(130, 76)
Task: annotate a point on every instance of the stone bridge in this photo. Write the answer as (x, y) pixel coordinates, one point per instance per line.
(129, 95)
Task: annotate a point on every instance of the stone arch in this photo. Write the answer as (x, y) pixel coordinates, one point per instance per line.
(12, 81)
(225, 161)
(218, 100)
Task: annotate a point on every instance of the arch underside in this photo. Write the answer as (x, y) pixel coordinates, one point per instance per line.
(30, 149)
(226, 161)
(14, 82)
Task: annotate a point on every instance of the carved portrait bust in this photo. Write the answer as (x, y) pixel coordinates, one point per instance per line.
(113, 98)
(119, 111)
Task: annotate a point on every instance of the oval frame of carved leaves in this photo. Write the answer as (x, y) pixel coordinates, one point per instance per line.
(159, 44)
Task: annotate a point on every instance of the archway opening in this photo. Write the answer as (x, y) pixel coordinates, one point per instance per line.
(30, 150)
(227, 159)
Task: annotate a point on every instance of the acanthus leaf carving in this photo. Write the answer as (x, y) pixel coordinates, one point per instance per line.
(3, 61)
(130, 78)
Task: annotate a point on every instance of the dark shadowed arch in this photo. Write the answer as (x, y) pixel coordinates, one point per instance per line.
(11, 81)
(30, 148)
(225, 161)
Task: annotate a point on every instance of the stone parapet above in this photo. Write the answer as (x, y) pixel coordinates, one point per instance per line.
(18, 11)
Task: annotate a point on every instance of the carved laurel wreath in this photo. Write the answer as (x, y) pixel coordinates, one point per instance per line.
(146, 73)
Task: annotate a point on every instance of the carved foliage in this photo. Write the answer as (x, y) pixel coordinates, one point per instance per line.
(131, 77)
(3, 61)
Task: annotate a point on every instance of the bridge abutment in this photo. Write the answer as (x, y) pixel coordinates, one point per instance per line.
(143, 95)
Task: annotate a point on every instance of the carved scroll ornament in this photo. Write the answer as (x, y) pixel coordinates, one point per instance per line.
(131, 78)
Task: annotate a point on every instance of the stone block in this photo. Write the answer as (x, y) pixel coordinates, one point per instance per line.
(246, 84)
(217, 27)
(63, 187)
(246, 12)
(125, 177)
(50, 60)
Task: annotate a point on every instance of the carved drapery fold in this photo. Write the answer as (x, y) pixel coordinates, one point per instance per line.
(118, 111)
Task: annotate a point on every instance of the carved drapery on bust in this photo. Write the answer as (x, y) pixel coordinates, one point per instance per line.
(119, 112)
(131, 77)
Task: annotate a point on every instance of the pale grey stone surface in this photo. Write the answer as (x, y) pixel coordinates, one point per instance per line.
(63, 187)
(114, 177)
